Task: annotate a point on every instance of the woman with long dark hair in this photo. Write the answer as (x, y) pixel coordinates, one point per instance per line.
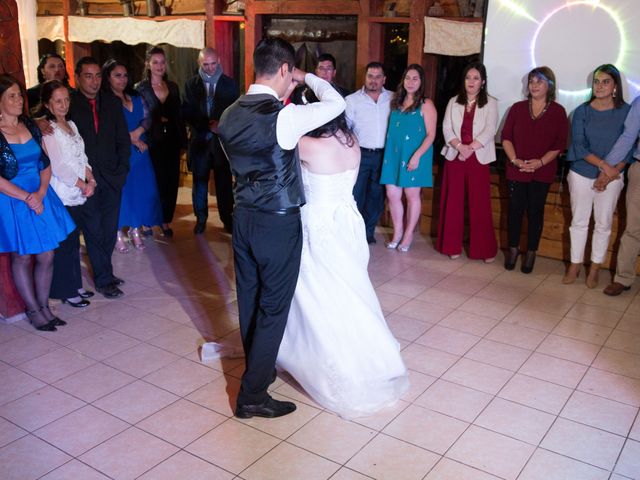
(534, 134)
(408, 154)
(166, 132)
(33, 220)
(469, 128)
(595, 185)
(337, 344)
(140, 201)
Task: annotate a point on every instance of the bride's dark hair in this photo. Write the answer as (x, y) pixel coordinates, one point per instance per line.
(330, 129)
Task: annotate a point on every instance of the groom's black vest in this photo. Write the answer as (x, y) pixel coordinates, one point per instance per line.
(267, 177)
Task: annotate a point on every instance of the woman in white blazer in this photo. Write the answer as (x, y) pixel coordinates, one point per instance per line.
(469, 127)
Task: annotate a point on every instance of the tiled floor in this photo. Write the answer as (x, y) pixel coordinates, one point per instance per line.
(512, 377)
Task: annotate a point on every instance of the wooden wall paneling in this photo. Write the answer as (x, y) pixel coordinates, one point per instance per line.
(252, 35)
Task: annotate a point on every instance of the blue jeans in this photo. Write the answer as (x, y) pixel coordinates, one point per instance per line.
(368, 192)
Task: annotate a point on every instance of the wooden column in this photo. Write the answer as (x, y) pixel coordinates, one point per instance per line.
(11, 304)
(209, 24)
(252, 35)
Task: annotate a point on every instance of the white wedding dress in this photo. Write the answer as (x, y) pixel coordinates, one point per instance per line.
(337, 344)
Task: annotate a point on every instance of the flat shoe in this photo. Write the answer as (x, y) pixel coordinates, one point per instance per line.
(615, 289)
(404, 248)
(86, 294)
(81, 304)
(270, 408)
(110, 291)
(454, 257)
(391, 245)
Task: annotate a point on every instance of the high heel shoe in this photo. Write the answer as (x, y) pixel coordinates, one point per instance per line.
(121, 244)
(45, 327)
(80, 304)
(136, 239)
(55, 321)
(404, 248)
(592, 278)
(528, 262)
(572, 273)
(512, 258)
(391, 245)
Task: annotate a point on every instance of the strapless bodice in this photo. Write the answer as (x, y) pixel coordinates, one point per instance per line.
(329, 189)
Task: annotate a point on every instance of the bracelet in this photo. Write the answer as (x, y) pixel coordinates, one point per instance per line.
(513, 162)
(26, 199)
(541, 163)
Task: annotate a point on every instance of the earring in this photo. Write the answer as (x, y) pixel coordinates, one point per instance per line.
(614, 94)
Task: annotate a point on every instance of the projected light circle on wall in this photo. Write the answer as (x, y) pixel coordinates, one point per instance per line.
(584, 46)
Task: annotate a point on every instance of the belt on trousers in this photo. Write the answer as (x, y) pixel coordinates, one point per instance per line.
(372, 150)
(281, 211)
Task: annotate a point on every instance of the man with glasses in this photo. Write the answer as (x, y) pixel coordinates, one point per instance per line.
(326, 70)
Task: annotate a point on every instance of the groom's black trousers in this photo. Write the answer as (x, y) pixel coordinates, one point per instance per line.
(266, 249)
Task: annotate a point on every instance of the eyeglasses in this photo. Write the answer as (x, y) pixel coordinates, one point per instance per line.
(325, 69)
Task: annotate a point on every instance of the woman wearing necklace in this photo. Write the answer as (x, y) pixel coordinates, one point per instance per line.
(33, 221)
(73, 182)
(534, 134)
(166, 132)
(595, 185)
(469, 128)
(140, 202)
(408, 154)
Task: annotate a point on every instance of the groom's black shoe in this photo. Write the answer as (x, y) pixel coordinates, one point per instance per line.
(270, 408)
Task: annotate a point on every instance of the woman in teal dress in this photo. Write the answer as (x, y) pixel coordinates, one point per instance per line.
(408, 155)
(140, 203)
(33, 220)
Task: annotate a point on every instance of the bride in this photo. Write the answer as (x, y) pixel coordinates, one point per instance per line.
(337, 344)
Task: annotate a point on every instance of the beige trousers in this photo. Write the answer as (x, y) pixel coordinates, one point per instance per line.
(630, 241)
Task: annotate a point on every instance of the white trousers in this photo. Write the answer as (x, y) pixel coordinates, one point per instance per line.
(584, 199)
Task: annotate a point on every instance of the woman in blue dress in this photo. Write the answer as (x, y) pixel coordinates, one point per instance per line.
(408, 154)
(140, 203)
(33, 220)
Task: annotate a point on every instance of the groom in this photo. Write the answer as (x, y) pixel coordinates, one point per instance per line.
(259, 136)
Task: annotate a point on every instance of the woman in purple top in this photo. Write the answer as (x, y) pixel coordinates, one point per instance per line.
(534, 133)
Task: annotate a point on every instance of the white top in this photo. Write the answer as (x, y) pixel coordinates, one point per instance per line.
(485, 125)
(369, 119)
(296, 120)
(68, 163)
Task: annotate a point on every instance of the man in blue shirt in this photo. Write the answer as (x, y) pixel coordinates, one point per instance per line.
(630, 242)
